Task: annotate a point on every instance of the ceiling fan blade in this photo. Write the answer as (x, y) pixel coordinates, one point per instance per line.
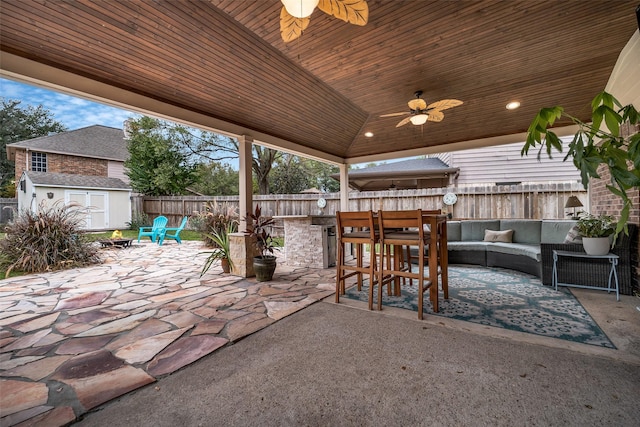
(417, 104)
(291, 27)
(395, 114)
(354, 11)
(444, 104)
(403, 122)
(435, 116)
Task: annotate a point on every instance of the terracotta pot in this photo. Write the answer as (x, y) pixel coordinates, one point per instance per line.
(596, 245)
(224, 263)
(264, 267)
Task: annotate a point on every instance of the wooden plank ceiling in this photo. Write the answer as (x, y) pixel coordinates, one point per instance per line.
(225, 59)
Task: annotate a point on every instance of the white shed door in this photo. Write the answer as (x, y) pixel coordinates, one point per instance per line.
(96, 205)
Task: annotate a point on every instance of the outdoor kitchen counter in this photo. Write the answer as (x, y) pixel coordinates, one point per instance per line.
(309, 240)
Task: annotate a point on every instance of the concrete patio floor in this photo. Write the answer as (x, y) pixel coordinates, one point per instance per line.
(72, 341)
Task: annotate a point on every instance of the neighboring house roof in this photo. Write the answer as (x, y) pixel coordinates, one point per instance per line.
(47, 179)
(407, 174)
(97, 141)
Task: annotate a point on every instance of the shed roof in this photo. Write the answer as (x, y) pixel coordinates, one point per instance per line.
(97, 141)
(407, 174)
(48, 179)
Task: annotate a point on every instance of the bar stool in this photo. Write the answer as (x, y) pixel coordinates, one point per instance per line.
(359, 229)
(410, 224)
(443, 257)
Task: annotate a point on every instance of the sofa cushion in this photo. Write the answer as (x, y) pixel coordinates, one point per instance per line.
(524, 230)
(530, 250)
(474, 229)
(454, 231)
(467, 246)
(498, 236)
(555, 231)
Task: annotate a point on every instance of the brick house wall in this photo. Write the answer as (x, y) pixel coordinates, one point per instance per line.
(602, 201)
(60, 163)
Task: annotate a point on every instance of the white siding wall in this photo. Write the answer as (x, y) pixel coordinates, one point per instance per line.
(503, 163)
(116, 170)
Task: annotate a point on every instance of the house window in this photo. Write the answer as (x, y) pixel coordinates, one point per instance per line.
(39, 162)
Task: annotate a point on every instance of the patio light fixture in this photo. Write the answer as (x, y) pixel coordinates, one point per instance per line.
(513, 105)
(419, 119)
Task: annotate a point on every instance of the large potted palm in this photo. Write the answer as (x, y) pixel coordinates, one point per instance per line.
(264, 265)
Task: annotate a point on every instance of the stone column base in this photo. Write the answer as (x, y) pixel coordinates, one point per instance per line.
(243, 249)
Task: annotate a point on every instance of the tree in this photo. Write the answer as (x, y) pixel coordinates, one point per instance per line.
(19, 124)
(214, 147)
(293, 174)
(156, 166)
(290, 176)
(262, 162)
(322, 174)
(216, 179)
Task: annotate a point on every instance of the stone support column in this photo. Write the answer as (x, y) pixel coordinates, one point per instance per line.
(243, 249)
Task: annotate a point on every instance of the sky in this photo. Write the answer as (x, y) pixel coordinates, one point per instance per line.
(73, 112)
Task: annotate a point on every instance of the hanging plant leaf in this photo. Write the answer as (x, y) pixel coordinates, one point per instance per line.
(352, 11)
(291, 27)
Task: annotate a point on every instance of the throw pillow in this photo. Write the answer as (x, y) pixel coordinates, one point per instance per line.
(573, 236)
(498, 236)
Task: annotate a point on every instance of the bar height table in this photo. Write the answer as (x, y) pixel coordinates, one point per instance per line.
(613, 274)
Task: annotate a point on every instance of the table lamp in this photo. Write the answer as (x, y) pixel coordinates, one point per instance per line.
(573, 202)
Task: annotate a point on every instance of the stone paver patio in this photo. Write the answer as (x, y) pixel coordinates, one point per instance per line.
(73, 340)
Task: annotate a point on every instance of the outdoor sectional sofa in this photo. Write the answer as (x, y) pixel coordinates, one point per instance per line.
(530, 250)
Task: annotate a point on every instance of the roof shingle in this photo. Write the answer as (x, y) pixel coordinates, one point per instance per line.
(97, 141)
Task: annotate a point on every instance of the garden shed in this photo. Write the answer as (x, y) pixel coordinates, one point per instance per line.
(107, 200)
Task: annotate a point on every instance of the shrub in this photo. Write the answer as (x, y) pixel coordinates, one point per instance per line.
(215, 218)
(139, 219)
(49, 239)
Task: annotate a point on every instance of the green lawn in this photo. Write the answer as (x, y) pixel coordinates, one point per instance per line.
(133, 234)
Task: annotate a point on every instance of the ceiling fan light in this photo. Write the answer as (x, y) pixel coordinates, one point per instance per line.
(419, 119)
(300, 8)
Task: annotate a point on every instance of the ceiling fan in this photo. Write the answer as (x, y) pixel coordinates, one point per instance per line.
(420, 112)
(294, 16)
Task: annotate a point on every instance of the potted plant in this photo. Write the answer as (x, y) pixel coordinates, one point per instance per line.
(607, 139)
(264, 265)
(596, 232)
(222, 252)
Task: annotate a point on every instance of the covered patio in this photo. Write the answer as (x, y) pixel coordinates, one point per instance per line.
(222, 66)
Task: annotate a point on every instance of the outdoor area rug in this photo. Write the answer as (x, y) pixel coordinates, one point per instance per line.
(504, 299)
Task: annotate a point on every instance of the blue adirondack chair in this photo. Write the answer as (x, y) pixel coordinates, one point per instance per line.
(172, 233)
(155, 230)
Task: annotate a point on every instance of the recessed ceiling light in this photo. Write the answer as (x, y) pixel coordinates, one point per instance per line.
(368, 134)
(513, 105)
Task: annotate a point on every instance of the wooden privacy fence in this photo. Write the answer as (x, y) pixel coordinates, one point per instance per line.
(528, 201)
